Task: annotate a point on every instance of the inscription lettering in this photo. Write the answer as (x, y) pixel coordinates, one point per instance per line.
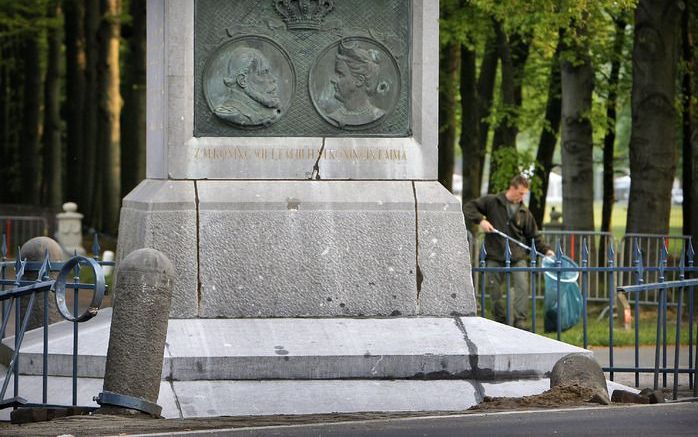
(298, 154)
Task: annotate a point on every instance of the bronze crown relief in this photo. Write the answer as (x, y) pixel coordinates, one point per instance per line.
(304, 14)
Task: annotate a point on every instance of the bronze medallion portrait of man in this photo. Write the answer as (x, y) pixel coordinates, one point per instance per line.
(354, 83)
(243, 82)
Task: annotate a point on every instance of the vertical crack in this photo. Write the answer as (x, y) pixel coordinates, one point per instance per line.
(473, 359)
(419, 276)
(315, 176)
(198, 247)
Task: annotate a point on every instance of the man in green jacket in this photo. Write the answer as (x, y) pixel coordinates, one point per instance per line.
(506, 213)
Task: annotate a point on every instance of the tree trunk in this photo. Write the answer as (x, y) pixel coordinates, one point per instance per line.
(513, 53)
(133, 129)
(30, 161)
(653, 138)
(692, 192)
(74, 12)
(472, 153)
(448, 78)
(485, 93)
(548, 137)
(88, 159)
(609, 140)
(577, 81)
(53, 153)
(108, 127)
(687, 143)
(506, 131)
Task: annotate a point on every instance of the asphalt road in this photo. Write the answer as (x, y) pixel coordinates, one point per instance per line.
(664, 419)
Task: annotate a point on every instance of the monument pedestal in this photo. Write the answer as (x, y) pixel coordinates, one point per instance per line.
(238, 367)
(305, 248)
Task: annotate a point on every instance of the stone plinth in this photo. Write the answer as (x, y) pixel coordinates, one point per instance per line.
(305, 249)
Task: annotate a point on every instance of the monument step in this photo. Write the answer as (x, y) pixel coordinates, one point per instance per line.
(187, 399)
(311, 349)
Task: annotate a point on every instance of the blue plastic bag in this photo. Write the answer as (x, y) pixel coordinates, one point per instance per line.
(570, 306)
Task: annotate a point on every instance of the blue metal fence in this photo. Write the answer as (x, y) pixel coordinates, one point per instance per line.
(637, 271)
(15, 283)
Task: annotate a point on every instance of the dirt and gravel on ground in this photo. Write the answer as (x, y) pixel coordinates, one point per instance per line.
(104, 425)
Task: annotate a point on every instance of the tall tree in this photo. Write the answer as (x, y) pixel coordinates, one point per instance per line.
(88, 158)
(448, 79)
(653, 138)
(75, 62)
(108, 125)
(30, 158)
(472, 153)
(53, 152)
(485, 94)
(609, 140)
(133, 132)
(548, 136)
(577, 79)
(687, 121)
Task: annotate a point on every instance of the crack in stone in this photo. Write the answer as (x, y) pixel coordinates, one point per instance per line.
(170, 380)
(198, 247)
(419, 275)
(315, 176)
(473, 358)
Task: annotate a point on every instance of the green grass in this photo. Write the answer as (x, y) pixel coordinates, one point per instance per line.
(619, 217)
(598, 330)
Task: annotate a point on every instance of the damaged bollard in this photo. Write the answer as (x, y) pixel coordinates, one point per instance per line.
(142, 299)
(35, 250)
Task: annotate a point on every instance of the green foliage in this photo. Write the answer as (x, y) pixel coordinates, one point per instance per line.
(510, 162)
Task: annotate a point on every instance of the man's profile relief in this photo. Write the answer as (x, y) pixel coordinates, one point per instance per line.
(246, 89)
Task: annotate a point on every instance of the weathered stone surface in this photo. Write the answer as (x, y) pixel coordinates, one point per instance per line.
(307, 249)
(144, 282)
(161, 214)
(35, 250)
(627, 397)
(582, 370)
(443, 255)
(653, 396)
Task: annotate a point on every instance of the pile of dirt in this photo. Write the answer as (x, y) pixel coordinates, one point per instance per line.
(573, 395)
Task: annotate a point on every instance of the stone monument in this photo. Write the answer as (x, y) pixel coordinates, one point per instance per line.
(292, 161)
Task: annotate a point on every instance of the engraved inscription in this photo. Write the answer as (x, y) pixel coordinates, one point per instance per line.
(298, 154)
(249, 82)
(355, 83)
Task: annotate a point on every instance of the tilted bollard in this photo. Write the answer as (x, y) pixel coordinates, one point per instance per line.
(142, 298)
(35, 250)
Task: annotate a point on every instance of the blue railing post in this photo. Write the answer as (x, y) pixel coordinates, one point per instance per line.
(691, 376)
(585, 288)
(507, 264)
(558, 265)
(534, 291)
(3, 258)
(663, 255)
(43, 275)
(639, 280)
(483, 256)
(611, 292)
(19, 273)
(677, 344)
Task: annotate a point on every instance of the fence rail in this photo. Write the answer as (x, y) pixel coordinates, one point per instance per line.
(18, 229)
(635, 283)
(26, 285)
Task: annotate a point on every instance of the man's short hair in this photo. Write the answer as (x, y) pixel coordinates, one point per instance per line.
(519, 181)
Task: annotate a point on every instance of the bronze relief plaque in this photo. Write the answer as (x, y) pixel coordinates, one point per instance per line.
(304, 68)
(355, 83)
(249, 82)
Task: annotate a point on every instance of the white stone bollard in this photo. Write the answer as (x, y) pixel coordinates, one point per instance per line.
(69, 234)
